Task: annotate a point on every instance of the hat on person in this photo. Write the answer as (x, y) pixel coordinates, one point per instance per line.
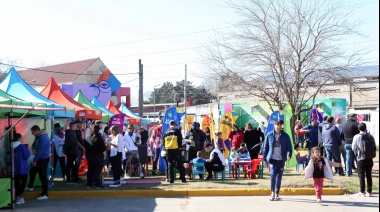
(350, 115)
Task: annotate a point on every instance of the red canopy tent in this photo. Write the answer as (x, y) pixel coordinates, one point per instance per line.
(53, 92)
(111, 107)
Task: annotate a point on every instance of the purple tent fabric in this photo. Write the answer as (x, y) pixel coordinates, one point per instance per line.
(228, 144)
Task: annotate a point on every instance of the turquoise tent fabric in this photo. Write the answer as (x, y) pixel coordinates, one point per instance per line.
(99, 105)
(127, 112)
(14, 85)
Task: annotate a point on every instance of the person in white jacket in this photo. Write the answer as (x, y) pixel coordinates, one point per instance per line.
(132, 156)
(59, 141)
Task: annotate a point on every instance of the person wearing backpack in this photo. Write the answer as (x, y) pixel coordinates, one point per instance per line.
(173, 145)
(364, 148)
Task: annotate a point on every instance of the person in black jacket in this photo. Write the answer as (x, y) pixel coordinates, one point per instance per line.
(350, 129)
(144, 135)
(94, 145)
(174, 153)
(70, 148)
(198, 136)
(252, 140)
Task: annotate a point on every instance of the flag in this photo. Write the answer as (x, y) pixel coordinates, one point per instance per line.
(173, 113)
(316, 113)
(189, 121)
(212, 128)
(287, 128)
(205, 123)
(117, 120)
(225, 127)
(276, 115)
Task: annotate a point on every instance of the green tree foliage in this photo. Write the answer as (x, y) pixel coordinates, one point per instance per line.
(168, 93)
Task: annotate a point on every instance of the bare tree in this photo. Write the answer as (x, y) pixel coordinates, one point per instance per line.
(283, 51)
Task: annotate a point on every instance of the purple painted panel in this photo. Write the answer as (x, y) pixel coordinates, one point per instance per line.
(102, 91)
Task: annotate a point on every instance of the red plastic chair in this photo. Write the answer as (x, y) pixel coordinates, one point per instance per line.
(251, 168)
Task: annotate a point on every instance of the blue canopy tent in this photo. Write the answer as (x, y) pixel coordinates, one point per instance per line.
(99, 105)
(14, 85)
(129, 113)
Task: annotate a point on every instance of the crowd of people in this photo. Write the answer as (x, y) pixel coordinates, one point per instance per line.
(109, 147)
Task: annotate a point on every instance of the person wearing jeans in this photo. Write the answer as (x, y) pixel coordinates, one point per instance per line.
(70, 148)
(41, 159)
(350, 129)
(156, 140)
(332, 142)
(277, 150)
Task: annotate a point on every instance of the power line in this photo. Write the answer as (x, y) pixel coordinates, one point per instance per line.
(129, 81)
(58, 72)
(136, 41)
(169, 64)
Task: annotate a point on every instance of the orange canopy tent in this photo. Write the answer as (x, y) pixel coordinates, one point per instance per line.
(131, 120)
(53, 92)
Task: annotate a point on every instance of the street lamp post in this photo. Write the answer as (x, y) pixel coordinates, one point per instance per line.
(154, 102)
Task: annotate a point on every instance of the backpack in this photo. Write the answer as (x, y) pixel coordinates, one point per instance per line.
(171, 142)
(367, 146)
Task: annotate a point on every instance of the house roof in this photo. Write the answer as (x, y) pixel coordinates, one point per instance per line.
(67, 72)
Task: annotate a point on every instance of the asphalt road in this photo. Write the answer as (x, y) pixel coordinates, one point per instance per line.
(198, 204)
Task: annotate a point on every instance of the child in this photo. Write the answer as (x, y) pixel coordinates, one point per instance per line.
(234, 154)
(301, 159)
(220, 141)
(243, 156)
(199, 159)
(21, 155)
(318, 168)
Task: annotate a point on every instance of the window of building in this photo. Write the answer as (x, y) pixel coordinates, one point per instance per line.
(330, 91)
(365, 89)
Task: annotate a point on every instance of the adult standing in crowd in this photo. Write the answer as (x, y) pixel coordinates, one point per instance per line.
(41, 159)
(350, 129)
(300, 136)
(70, 148)
(262, 127)
(320, 135)
(173, 145)
(117, 146)
(277, 150)
(95, 148)
(365, 161)
(253, 139)
(208, 135)
(144, 135)
(155, 138)
(81, 149)
(106, 138)
(332, 143)
(59, 141)
(312, 135)
(21, 155)
(216, 162)
(196, 135)
(132, 153)
(342, 150)
(236, 136)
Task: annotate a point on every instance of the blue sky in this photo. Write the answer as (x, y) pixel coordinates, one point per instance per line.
(164, 34)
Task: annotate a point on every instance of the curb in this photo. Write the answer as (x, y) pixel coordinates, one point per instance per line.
(182, 193)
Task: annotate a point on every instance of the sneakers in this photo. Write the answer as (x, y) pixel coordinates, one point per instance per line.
(20, 201)
(126, 176)
(141, 175)
(271, 198)
(28, 189)
(208, 178)
(319, 201)
(44, 197)
(360, 194)
(154, 173)
(115, 185)
(277, 198)
(99, 187)
(368, 194)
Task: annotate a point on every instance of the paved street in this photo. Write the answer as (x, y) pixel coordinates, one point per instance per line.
(255, 203)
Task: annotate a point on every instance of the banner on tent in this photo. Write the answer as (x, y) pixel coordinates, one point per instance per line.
(117, 120)
(188, 122)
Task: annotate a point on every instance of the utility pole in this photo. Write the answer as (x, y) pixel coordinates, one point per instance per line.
(141, 100)
(184, 93)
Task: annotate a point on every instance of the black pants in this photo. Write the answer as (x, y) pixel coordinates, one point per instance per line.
(365, 171)
(20, 183)
(254, 153)
(61, 164)
(210, 167)
(116, 166)
(73, 167)
(94, 171)
(41, 169)
(175, 157)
